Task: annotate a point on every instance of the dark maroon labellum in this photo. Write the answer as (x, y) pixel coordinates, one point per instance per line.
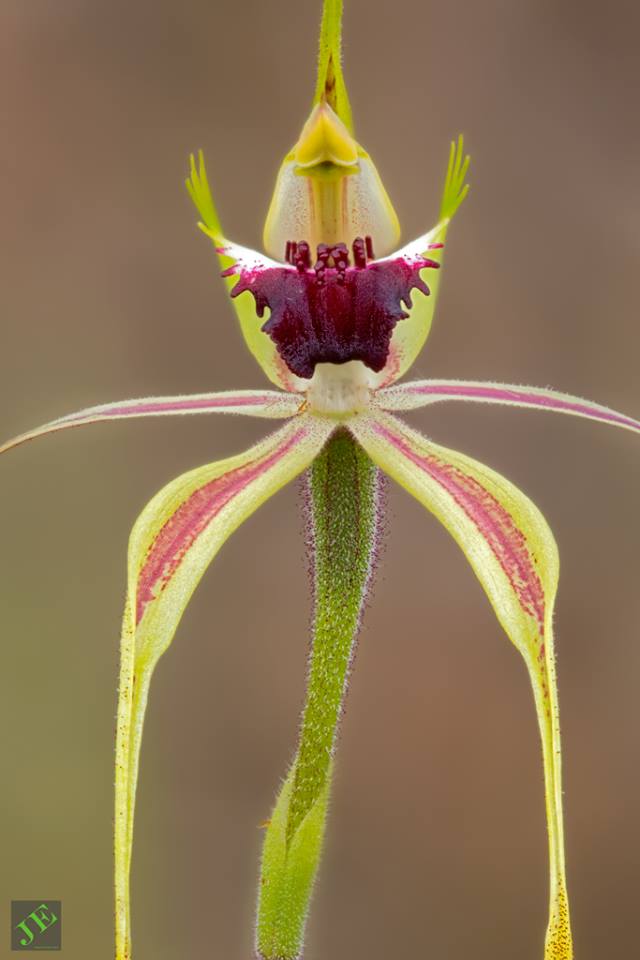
(333, 312)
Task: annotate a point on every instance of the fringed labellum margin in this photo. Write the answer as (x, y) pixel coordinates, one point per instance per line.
(334, 312)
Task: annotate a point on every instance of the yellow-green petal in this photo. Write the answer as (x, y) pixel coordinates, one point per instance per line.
(422, 393)
(260, 345)
(172, 543)
(254, 403)
(512, 552)
(410, 335)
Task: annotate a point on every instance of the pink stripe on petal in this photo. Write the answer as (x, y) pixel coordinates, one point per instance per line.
(516, 395)
(191, 519)
(172, 406)
(493, 521)
(267, 404)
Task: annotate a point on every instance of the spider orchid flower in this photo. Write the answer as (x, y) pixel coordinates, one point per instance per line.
(335, 313)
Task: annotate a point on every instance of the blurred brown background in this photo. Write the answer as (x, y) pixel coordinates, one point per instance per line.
(437, 845)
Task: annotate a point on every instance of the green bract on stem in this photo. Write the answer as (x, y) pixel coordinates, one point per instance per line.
(343, 520)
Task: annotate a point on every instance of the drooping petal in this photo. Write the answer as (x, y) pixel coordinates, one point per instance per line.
(172, 543)
(262, 348)
(421, 393)
(409, 336)
(255, 403)
(512, 552)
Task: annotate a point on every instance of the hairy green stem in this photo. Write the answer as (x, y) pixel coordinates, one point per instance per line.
(343, 515)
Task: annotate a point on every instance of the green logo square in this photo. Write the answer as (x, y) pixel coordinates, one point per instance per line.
(36, 924)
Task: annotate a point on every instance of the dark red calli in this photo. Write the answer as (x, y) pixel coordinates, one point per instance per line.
(333, 312)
